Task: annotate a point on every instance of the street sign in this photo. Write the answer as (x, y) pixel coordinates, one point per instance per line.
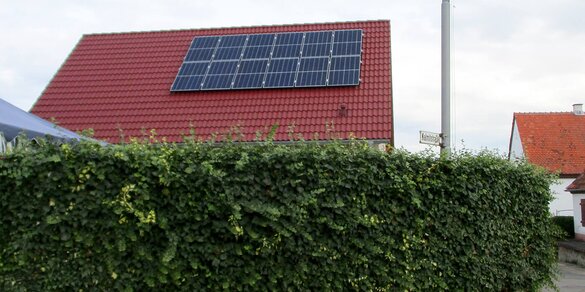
(430, 138)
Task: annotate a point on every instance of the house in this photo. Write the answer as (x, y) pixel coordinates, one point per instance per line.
(577, 189)
(310, 79)
(555, 141)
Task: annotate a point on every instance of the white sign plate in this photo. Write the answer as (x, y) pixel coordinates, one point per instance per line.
(430, 138)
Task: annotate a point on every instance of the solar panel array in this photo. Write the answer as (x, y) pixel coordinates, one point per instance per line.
(281, 60)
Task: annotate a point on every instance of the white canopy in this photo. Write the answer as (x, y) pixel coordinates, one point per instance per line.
(14, 121)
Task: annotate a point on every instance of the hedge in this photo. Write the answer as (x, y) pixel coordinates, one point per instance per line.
(270, 217)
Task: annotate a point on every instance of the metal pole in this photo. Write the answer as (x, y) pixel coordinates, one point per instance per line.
(446, 77)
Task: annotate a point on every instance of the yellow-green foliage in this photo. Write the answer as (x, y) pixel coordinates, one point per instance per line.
(266, 217)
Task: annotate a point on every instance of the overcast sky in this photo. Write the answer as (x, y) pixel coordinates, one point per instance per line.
(508, 56)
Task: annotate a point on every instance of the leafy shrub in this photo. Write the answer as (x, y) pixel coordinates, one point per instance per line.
(268, 217)
(566, 224)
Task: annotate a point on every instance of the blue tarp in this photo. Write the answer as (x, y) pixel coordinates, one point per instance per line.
(14, 121)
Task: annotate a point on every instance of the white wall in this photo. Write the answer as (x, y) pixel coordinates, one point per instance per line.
(562, 205)
(516, 151)
(579, 230)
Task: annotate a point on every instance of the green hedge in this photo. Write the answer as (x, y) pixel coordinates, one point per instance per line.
(268, 217)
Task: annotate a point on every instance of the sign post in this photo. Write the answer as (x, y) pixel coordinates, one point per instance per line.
(430, 138)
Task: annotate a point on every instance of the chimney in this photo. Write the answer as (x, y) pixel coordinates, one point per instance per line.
(578, 109)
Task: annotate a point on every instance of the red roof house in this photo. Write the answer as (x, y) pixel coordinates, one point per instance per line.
(121, 83)
(555, 141)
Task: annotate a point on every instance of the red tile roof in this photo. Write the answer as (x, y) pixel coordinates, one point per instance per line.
(555, 141)
(122, 81)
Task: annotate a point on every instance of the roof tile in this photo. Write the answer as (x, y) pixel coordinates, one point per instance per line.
(555, 141)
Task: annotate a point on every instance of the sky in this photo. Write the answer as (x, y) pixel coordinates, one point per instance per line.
(507, 56)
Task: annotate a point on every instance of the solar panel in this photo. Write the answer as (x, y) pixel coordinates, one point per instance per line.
(281, 73)
(345, 58)
(251, 73)
(277, 60)
(220, 75)
(312, 72)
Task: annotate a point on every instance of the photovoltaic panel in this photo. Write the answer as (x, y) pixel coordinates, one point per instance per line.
(257, 52)
(199, 55)
(340, 78)
(280, 80)
(345, 36)
(253, 66)
(220, 75)
(344, 49)
(283, 65)
(345, 58)
(205, 42)
(196, 68)
(250, 74)
(288, 38)
(312, 72)
(229, 53)
(281, 73)
(345, 63)
(248, 81)
(261, 40)
(232, 41)
(318, 37)
(312, 50)
(274, 60)
(286, 51)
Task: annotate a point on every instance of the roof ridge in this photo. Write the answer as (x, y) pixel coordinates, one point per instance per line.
(236, 27)
(541, 113)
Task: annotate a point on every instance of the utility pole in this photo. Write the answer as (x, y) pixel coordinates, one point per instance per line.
(446, 77)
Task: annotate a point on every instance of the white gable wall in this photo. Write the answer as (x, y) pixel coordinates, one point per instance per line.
(516, 151)
(562, 205)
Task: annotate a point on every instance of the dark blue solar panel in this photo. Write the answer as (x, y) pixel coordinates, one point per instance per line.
(261, 40)
(342, 49)
(314, 64)
(284, 79)
(253, 66)
(232, 41)
(199, 55)
(230, 53)
(286, 51)
(220, 75)
(188, 83)
(318, 37)
(339, 78)
(257, 52)
(198, 68)
(312, 72)
(344, 36)
(345, 63)
(283, 65)
(249, 80)
(223, 67)
(218, 82)
(205, 42)
(312, 78)
(299, 59)
(312, 50)
(289, 38)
